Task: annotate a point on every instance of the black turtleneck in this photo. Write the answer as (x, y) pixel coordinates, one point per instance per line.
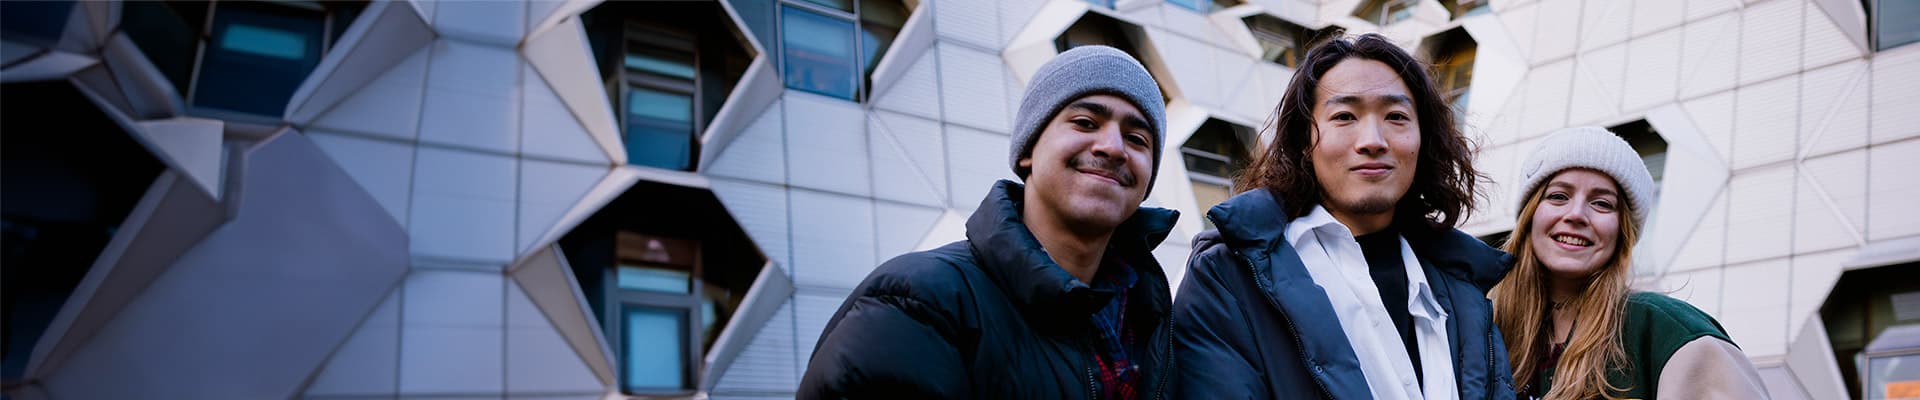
(1382, 250)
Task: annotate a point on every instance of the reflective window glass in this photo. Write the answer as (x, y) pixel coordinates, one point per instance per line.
(260, 53)
(659, 130)
(1896, 23)
(654, 349)
(819, 53)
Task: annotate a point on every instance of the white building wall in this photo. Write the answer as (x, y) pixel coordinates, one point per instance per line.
(486, 137)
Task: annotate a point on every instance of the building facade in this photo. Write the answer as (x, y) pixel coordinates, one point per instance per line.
(578, 199)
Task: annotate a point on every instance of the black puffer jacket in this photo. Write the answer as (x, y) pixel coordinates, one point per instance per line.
(991, 317)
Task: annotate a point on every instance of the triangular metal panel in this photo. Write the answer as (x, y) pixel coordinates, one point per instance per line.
(189, 145)
(548, 283)
(390, 33)
(562, 58)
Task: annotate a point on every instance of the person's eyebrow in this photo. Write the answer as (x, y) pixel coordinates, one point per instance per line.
(1349, 99)
(1097, 109)
(1600, 191)
(1132, 121)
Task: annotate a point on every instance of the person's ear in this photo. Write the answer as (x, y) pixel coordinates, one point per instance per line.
(1026, 163)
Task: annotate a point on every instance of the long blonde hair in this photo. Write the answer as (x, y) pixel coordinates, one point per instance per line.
(1520, 303)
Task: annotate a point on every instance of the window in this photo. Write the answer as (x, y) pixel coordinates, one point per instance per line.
(237, 56)
(1866, 314)
(1216, 153)
(831, 47)
(658, 105)
(1385, 12)
(656, 301)
(1464, 8)
(1205, 6)
(1892, 23)
(1652, 149)
(668, 68)
(1107, 4)
(663, 268)
(36, 22)
(1097, 29)
(1282, 42)
(1451, 53)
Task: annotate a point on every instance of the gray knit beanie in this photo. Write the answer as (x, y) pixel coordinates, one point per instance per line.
(1591, 148)
(1079, 72)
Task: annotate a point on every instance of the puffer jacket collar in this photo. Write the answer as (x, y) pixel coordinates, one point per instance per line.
(1009, 253)
(1253, 225)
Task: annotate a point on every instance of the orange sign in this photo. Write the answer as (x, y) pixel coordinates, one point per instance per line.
(1903, 390)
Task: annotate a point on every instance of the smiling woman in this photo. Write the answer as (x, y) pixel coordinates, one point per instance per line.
(1572, 328)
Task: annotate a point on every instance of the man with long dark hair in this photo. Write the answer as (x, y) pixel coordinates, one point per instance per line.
(1337, 272)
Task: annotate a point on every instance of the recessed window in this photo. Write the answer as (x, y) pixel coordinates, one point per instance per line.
(1892, 23)
(663, 268)
(1465, 8)
(1214, 155)
(1871, 317)
(237, 56)
(1651, 147)
(1107, 4)
(1097, 29)
(668, 67)
(1385, 12)
(831, 47)
(1283, 42)
(1451, 54)
(1205, 6)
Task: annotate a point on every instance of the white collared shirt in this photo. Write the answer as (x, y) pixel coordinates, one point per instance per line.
(1334, 259)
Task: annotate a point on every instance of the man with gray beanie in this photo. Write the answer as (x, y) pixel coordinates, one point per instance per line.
(1055, 293)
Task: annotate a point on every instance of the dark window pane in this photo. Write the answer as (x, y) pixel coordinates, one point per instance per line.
(40, 22)
(168, 33)
(819, 53)
(258, 56)
(659, 128)
(842, 5)
(654, 349)
(1897, 23)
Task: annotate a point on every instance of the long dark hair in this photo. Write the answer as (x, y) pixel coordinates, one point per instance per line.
(1445, 181)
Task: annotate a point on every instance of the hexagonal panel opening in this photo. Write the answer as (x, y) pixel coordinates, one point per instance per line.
(1458, 9)
(1216, 153)
(1283, 42)
(1450, 55)
(830, 47)
(71, 177)
(1205, 6)
(1872, 318)
(1385, 12)
(1652, 149)
(260, 52)
(663, 269)
(1100, 29)
(667, 67)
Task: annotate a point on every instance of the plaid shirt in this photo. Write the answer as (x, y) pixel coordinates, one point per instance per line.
(1118, 374)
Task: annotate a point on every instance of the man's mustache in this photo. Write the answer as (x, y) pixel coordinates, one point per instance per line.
(1115, 168)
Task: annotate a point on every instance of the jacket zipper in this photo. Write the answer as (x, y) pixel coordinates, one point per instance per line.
(1166, 364)
(1291, 328)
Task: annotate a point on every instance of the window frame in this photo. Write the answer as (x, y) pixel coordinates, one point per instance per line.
(863, 77)
(1388, 8)
(203, 39)
(635, 33)
(617, 300)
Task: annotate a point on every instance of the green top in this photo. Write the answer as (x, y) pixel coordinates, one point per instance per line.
(1655, 327)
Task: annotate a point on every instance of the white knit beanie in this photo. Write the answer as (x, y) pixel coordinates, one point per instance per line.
(1591, 148)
